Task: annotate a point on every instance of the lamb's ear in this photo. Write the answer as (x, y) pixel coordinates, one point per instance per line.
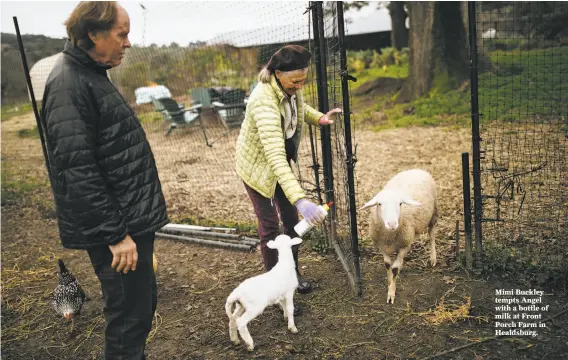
(271, 244)
(407, 199)
(296, 241)
(370, 203)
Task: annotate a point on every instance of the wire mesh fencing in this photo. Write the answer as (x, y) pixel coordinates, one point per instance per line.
(191, 99)
(191, 92)
(340, 159)
(523, 97)
(193, 132)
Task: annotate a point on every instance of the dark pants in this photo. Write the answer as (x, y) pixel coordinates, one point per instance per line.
(267, 212)
(130, 300)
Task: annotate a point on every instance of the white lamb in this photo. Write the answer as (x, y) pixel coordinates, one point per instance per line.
(393, 227)
(253, 295)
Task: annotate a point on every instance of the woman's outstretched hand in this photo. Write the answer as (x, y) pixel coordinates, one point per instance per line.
(326, 119)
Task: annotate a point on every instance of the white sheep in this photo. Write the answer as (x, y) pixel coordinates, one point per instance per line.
(253, 295)
(393, 227)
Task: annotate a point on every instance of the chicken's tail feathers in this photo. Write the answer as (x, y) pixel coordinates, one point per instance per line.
(62, 268)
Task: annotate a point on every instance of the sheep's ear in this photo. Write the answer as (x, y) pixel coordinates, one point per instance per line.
(370, 203)
(271, 244)
(296, 241)
(410, 201)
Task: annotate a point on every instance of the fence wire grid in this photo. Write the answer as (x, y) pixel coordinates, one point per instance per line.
(191, 100)
(212, 82)
(193, 130)
(345, 230)
(523, 97)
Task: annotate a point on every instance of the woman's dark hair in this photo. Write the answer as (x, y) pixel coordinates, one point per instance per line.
(288, 58)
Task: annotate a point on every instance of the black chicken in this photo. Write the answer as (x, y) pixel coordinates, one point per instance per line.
(68, 296)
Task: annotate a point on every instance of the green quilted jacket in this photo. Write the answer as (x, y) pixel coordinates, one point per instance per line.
(260, 154)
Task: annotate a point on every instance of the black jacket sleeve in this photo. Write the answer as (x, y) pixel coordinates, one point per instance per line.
(71, 132)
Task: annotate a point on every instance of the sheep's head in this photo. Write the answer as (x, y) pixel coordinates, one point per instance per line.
(283, 241)
(388, 203)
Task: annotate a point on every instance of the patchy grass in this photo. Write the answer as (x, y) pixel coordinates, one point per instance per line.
(451, 108)
(29, 133)
(526, 264)
(436, 108)
(17, 183)
(9, 111)
(150, 117)
(241, 226)
(393, 71)
(521, 83)
(525, 84)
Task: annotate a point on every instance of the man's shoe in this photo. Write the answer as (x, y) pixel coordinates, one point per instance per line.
(304, 286)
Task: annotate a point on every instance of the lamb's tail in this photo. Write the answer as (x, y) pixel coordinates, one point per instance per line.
(229, 307)
(231, 300)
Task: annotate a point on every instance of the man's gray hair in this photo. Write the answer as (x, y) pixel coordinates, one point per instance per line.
(87, 17)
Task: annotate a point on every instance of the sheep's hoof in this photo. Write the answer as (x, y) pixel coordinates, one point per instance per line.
(236, 341)
(390, 299)
(250, 347)
(293, 330)
(433, 261)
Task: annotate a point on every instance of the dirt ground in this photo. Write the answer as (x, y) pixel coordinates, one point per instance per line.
(200, 181)
(436, 310)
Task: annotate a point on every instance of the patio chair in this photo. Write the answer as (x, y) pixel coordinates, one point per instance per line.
(159, 107)
(204, 96)
(231, 108)
(181, 116)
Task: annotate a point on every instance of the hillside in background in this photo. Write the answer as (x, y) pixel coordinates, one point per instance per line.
(177, 67)
(37, 47)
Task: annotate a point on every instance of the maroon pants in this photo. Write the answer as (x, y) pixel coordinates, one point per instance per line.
(267, 212)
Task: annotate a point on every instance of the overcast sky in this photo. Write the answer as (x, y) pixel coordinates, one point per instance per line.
(182, 22)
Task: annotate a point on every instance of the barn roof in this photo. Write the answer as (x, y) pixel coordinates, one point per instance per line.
(376, 21)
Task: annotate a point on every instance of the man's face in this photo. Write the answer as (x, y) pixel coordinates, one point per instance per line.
(110, 46)
(292, 81)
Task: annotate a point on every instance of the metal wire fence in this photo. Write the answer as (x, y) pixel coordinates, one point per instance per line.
(341, 159)
(191, 99)
(195, 146)
(523, 97)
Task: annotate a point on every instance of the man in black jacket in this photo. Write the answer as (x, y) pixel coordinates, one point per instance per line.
(103, 174)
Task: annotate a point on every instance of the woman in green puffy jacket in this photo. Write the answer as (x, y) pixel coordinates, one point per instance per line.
(269, 139)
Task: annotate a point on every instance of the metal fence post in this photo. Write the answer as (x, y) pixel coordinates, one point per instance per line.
(476, 139)
(40, 127)
(319, 37)
(348, 146)
(315, 166)
(466, 209)
(323, 106)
